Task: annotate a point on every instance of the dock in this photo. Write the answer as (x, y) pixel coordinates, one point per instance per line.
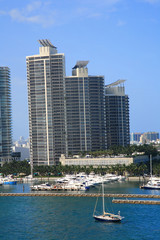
(150, 198)
(77, 194)
(148, 202)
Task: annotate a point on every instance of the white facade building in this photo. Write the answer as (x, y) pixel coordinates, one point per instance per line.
(45, 78)
(88, 161)
(24, 151)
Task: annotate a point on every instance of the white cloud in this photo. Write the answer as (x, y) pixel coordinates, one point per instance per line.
(95, 15)
(152, 1)
(34, 6)
(19, 16)
(2, 12)
(111, 2)
(48, 13)
(16, 15)
(37, 12)
(95, 8)
(121, 23)
(102, 2)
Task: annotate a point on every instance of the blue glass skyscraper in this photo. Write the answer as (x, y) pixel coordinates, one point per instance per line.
(5, 115)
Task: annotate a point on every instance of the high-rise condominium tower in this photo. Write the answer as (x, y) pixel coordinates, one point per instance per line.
(78, 109)
(45, 78)
(117, 114)
(97, 113)
(84, 97)
(5, 115)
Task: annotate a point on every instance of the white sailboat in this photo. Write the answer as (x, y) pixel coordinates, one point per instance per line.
(154, 182)
(105, 216)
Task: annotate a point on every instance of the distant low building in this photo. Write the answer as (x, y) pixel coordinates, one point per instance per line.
(21, 142)
(106, 161)
(148, 137)
(24, 152)
(20, 149)
(135, 137)
(144, 138)
(16, 156)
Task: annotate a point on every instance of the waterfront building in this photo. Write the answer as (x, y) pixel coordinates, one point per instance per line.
(84, 96)
(117, 114)
(5, 115)
(45, 79)
(102, 161)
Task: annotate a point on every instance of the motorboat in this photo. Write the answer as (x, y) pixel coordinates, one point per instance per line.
(28, 178)
(41, 187)
(8, 181)
(121, 178)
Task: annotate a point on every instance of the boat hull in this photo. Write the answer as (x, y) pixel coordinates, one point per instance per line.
(151, 187)
(107, 219)
(10, 183)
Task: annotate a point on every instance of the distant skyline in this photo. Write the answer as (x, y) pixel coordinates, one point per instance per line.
(120, 38)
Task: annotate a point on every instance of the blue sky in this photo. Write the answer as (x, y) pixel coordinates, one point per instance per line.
(120, 38)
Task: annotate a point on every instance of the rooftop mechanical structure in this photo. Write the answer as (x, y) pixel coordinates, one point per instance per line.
(46, 43)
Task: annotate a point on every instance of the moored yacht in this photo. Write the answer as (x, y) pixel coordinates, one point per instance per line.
(41, 187)
(154, 182)
(8, 181)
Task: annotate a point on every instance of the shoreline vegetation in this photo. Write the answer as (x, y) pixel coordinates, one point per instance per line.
(20, 169)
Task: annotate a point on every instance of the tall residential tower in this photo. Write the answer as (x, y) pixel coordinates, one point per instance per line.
(45, 78)
(5, 115)
(117, 114)
(84, 110)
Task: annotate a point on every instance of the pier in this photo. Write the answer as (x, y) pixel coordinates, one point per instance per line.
(77, 194)
(74, 194)
(149, 202)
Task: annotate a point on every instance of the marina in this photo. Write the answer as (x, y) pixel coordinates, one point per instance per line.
(77, 182)
(69, 214)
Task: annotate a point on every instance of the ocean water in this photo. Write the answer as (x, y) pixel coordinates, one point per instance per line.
(67, 218)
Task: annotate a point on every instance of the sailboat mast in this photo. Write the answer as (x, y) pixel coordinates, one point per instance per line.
(151, 166)
(103, 197)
